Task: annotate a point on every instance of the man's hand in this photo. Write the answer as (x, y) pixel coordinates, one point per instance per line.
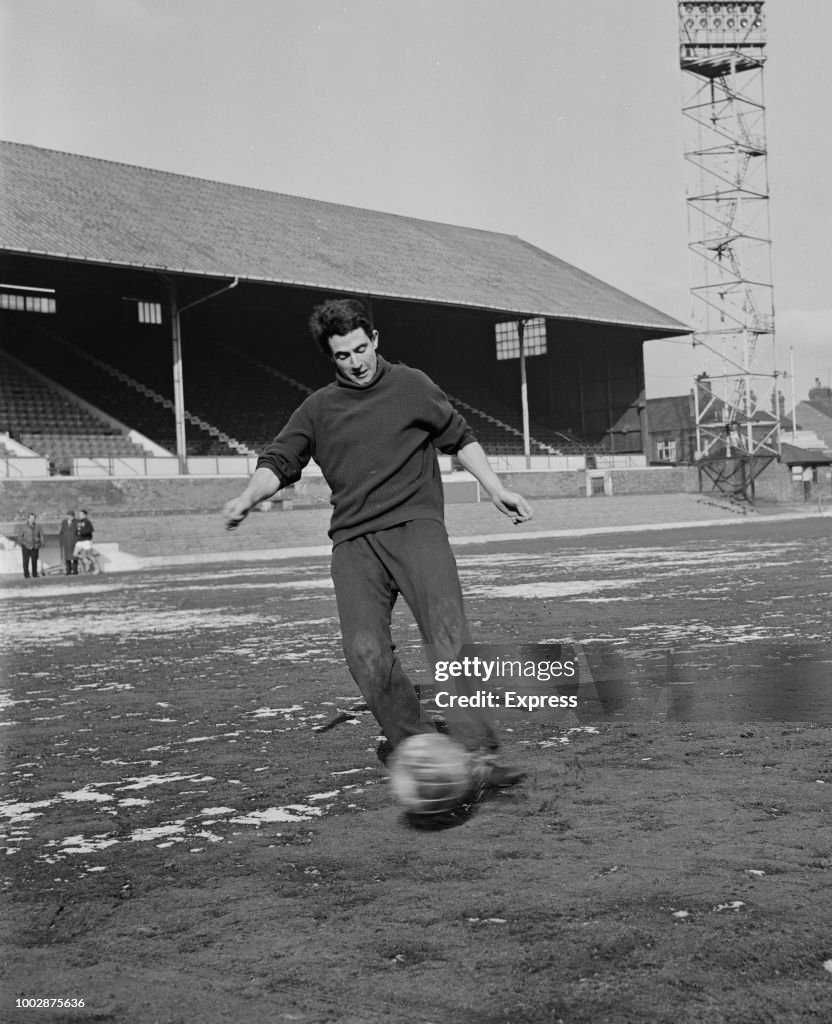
(263, 485)
(474, 459)
(512, 505)
(235, 512)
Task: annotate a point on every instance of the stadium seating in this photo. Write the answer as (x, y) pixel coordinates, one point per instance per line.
(500, 429)
(252, 403)
(256, 400)
(47, 421)
(236, 401)
(130, 401)
(233, 393)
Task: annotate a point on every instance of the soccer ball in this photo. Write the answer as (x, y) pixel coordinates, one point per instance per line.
(430, 773)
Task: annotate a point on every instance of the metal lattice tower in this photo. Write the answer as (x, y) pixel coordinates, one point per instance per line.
(722, 55)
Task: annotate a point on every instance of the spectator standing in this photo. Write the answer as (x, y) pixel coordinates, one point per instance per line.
(67, 539)
(31, 539)
(83, 538)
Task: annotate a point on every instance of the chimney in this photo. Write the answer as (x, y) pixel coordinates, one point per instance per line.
(819, 394)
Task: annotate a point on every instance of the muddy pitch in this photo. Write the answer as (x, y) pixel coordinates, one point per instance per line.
(196, 826)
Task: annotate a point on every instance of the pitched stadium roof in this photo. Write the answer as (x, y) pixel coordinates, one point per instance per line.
(81, 208)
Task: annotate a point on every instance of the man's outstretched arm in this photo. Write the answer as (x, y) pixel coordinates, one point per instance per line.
(262, 485)
(474, 459)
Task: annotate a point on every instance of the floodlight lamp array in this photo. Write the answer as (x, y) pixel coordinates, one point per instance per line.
(718, 18)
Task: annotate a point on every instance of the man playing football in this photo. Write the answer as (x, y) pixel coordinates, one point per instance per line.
(374, 432)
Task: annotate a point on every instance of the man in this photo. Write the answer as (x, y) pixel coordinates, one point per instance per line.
(83, 538)
(66, 537)
(31, 539)
(374, 432)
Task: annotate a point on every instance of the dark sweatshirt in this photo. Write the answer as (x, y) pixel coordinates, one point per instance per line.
(376, 446)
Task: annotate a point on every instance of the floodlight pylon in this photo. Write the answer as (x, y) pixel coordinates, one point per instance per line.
(722, 56)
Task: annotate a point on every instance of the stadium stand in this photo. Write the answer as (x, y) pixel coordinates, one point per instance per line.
(241, 400)
(90, 243)
(245, 396)
(44, 419)
(495, 435)
(254, 401)
(116, 393)
(500, 429)
(236, 402)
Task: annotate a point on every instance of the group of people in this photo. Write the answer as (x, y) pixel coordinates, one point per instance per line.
(75, 538)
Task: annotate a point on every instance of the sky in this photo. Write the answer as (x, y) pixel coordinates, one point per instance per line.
(559, 121)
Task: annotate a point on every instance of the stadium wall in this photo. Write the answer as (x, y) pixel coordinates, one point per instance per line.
(169, 517)
(51, 497)
(181, 516)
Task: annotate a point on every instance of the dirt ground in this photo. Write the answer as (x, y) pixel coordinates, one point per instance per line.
(197, 829)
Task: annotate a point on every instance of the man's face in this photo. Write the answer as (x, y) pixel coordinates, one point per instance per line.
(354, 355)
(31, 520)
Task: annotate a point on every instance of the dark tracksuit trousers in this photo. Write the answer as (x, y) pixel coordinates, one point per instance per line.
(413, 559)
(30, 556)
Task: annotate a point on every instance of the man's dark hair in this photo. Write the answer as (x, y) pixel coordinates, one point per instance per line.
(338, 316)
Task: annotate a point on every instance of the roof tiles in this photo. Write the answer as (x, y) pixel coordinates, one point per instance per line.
(83, 208)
